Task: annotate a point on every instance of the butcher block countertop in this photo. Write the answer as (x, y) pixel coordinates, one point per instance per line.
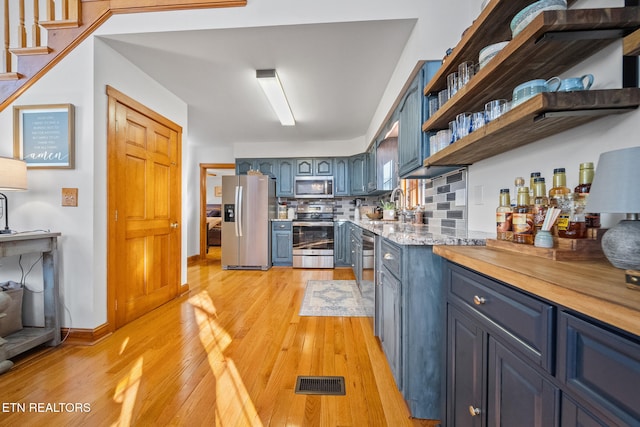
(594, 288)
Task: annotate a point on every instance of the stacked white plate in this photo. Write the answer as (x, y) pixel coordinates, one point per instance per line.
(487, 53)
(526, 15)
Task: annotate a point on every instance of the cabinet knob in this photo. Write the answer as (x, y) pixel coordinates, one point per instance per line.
(388, 256)
(477, 300)
(474, 411)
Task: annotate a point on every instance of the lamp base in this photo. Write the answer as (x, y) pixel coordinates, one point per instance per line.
(621, 245)
(5, 231)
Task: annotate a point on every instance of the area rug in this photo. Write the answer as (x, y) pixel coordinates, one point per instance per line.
(339, 298)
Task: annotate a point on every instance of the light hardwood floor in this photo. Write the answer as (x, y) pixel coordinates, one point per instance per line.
(225, 354)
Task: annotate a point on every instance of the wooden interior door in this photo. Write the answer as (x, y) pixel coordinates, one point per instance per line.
(144, 209)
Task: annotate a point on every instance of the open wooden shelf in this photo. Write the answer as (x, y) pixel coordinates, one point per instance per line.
(554, 42)
(491, 26)
(539, 117)
(631, 44)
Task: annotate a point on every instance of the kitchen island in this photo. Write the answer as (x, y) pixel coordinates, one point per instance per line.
(410, 306)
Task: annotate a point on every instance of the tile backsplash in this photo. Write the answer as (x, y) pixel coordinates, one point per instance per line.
(444, 202)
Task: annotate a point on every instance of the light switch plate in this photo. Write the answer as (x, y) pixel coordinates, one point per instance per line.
(69, 197)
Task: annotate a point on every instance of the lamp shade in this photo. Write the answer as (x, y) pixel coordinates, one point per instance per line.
(13, 174)
(616, 184)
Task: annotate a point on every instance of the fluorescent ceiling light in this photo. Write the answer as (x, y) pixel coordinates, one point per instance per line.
(270, 84)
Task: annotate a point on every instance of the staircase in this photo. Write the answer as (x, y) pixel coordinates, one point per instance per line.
(26, 57)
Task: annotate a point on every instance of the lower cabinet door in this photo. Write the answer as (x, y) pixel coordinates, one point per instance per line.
(573, 415)
(465, 371)
(282, 248)
(517, 394)
(391, 323)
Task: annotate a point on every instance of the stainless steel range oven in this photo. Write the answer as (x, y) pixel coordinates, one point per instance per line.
(313, 236)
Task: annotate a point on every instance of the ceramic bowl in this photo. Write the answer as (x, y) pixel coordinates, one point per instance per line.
(531, 88)
(490, 51)
(526, 15)
(374, 215)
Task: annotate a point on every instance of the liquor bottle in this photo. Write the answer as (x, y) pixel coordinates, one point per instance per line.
(503, 216)
(519, 183)
(559, 190)
(592, 220)
(532, 184)
(540, 202)
(522, 220)
(571, 222)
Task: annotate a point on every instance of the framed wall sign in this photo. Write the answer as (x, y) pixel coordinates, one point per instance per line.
(43, 135)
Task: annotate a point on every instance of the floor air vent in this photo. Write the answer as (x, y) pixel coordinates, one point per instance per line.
(320, 385)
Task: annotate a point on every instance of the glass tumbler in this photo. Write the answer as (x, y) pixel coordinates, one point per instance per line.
(494, 109)
(477, 120)
(452, 84)
(463, 122)
(466, 70)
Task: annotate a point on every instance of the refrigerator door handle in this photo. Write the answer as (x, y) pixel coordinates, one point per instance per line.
(237, 211)
(240, 209)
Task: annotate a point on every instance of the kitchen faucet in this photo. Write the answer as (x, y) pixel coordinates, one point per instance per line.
(394, 193)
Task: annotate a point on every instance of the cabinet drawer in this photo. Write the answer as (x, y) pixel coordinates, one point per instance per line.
(601, 366)
(527, 321)
(391, 257)
(281, 225)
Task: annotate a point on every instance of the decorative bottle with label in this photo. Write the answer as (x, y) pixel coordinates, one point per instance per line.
(503, 216)
(518, 183)
(540, 202)
(592, 220)
(571, 222)
(559, 190)
(523, 223)
(532, 184)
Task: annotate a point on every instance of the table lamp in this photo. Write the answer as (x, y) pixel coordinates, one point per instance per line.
(13, 177)
(616, 189)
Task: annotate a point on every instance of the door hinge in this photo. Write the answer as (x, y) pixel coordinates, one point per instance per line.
(116, 305)
(116, 217)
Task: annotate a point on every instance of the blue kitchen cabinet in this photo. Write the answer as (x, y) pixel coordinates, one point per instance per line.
(514, 359)
(371, 165)
(499, 354)
(355, 242)
(413, 143)
(314, 167)
(358, 174)
(265, 166)
(281, 243)
(285, 178)
(409, 321)
(600, 367)
(341, 177)
(342, 244)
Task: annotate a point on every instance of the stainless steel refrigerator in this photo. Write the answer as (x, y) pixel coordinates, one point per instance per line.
(248, 205)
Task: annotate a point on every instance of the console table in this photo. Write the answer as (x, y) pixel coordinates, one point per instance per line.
(29, 337)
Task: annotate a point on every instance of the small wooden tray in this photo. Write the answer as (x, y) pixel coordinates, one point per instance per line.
(563, 249)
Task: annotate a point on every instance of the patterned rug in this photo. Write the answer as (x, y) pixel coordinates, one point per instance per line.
(339, 298)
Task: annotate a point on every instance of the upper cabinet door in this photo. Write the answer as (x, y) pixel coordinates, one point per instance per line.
(267, 166)
(304, 167)
(314, 167)
(323, 166)
(341, 177)
(284, 179)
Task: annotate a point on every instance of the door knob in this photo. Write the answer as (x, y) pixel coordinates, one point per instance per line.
(174, 225)
(474, 411)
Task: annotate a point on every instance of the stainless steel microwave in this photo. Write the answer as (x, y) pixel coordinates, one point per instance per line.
(313, 187)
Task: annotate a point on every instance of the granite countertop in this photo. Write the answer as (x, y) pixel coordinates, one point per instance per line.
(412, 234)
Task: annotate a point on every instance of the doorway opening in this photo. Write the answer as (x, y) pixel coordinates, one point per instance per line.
(211, 207)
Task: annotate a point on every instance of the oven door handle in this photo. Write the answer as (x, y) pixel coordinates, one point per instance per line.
(312, 224)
